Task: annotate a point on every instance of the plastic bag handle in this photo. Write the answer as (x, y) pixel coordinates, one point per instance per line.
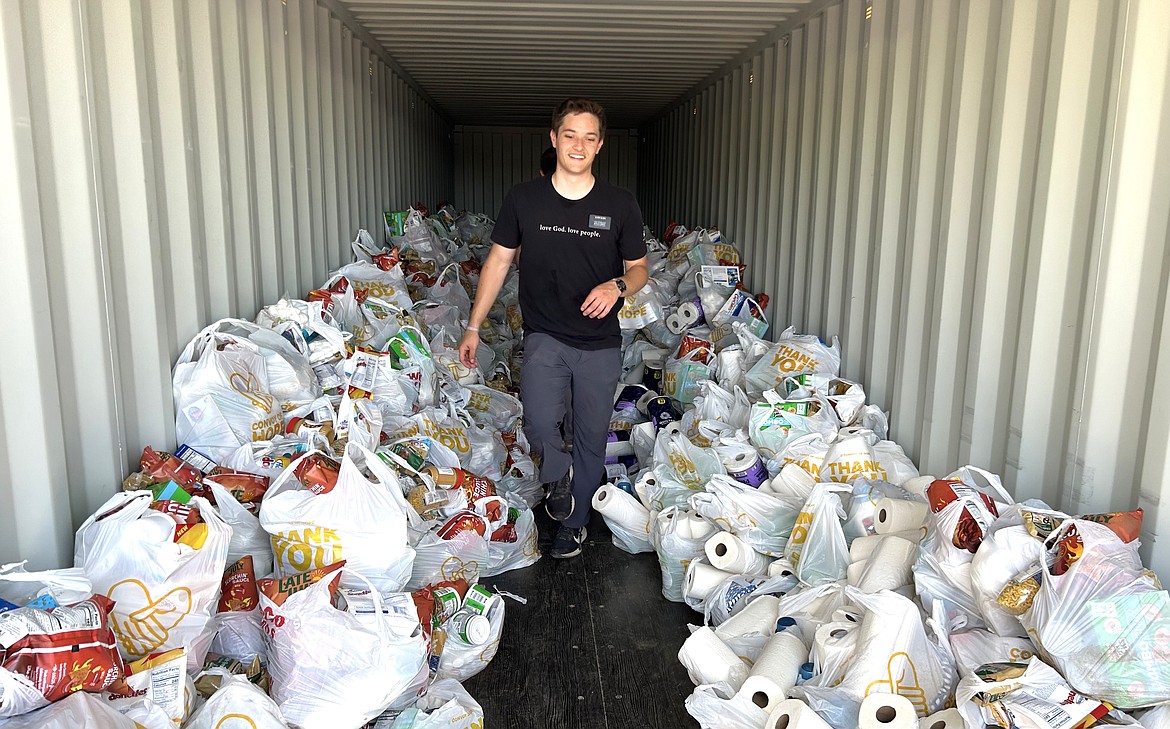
(287, 475)
(993, 480)
(379, 606)
(388, 480)
(446, 268)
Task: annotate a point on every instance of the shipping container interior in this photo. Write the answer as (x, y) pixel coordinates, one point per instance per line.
(970, 195)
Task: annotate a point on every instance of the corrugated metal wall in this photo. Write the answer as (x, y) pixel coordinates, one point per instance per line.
(490, 160)
(167, 163)
(972, 196)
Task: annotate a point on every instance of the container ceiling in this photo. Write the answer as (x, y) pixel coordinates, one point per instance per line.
(509, 62)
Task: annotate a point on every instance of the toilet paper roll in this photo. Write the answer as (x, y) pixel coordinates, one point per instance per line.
(621, 508)
(729, 553)
(693, 526)
(775, 672)
(702, 578)
(855, 571)
(794, 714)
(833, 643)
(759, 616)
(688, 313)
(946, 719)
(862, 547)
(889, 567)
(675, 324)
(709, 660)
(672, 428)
(887, 711)
(917, 486)
(899, 515)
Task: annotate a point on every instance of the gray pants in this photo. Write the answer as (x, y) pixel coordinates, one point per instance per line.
(553, 370)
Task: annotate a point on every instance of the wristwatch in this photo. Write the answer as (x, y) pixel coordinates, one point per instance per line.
(621, 284)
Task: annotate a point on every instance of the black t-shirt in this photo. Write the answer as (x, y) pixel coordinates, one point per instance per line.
(570, 246)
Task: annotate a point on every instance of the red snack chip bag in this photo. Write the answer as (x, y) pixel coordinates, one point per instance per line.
(691, 343)
(1125, 524)
(63, 650)
(318, 473)
(386, 261)
(464, 521)
(279, 590)
(507, 532)
(163, 467)
(246, 488)
(239, 592)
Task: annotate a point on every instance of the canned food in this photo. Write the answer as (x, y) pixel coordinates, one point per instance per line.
(480, 600)
(471, 628)
(447, 603)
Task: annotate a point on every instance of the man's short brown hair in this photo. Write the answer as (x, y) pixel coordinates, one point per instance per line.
(578, 105)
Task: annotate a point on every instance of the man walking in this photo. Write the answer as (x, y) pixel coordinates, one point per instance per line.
(583, 252)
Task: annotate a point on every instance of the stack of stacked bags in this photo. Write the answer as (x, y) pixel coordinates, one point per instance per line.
(838, 586)
(310, 555)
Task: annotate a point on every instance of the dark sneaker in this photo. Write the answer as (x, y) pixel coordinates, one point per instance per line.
(568, 542)
(558, 499)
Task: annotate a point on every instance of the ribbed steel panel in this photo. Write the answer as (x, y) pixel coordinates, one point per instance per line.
(510, 61)
(166, 163)
(972, 196)
(490, 160)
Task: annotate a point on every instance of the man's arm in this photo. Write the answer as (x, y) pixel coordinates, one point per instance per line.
(603, 296)
(491, 280)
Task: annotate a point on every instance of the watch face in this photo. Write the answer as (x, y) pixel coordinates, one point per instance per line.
(620, 284)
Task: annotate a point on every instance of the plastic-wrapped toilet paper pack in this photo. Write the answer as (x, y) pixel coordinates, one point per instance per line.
(887, 711)
(776, 671)
(736, 593)
(794, 714)
(709, 661)
(628, 520)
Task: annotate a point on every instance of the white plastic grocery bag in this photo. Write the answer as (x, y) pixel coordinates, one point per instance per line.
(793, 353)
(20, 587)
(461, 661)
(895, 653)
(684, 462)
(675, 550)
(859, 454)
(222, 398)
(817, 548)
(681, 376)
(360, 521)
(237, 704)
(763, 520)
(464, 557)
(372, 281)
(331, 668)
(505, 556)
(165, 592)
(714, 712)
(248, 537)
(78, 710)
(446, 705)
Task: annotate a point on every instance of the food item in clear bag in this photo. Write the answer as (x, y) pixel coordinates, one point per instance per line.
(1018, 594)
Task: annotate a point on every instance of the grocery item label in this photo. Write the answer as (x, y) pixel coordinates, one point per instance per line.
(721, 275)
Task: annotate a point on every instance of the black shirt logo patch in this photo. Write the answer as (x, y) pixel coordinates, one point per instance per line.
(599, 222)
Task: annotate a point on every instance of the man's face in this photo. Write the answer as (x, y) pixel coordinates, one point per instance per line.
(577, 142)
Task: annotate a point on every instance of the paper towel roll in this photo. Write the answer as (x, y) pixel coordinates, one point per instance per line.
(780, 568)
(887, 711)
(889, 567)
(646, 481)
(709, 660)
(702, 578)
(793, 480)
(833, 643)
(945, 719)
(794, 714)
(759, 616)
(862, 547)
(855, 571)
(917, 486)
(775, 672)
(675, 324)
(672, 428)
(899, 515)
(621, 508)
(729, 553)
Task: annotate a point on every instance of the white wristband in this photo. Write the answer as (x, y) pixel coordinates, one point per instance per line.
(473, 329)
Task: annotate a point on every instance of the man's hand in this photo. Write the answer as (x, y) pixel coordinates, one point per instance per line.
(600, 300)
(467, 348)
